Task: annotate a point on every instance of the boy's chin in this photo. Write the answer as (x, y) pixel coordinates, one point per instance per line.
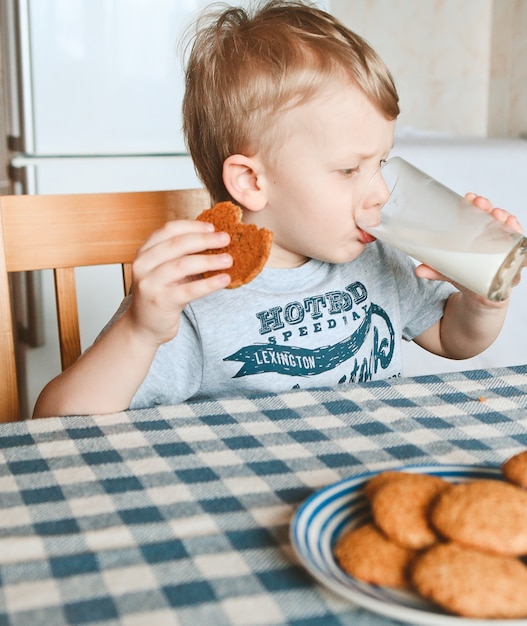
(344, 258)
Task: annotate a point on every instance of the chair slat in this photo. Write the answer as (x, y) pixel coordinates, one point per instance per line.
(127, 277)
(9, 401)
(67, 316)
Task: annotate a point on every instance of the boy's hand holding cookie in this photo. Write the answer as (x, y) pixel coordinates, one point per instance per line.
(168, 274)
(186, 260)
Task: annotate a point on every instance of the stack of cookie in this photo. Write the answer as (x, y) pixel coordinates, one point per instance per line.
(458, 545)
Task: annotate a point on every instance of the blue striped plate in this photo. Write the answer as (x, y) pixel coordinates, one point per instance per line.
(328, 513)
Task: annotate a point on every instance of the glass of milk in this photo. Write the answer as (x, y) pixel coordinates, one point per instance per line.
(438, 227)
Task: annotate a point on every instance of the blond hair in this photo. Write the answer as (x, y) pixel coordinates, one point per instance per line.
(246, 66)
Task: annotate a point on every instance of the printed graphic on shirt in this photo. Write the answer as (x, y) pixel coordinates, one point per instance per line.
(370, 344)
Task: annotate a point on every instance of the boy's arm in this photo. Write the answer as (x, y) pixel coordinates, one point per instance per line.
(166, 277)
(104, 379)
(467, 328)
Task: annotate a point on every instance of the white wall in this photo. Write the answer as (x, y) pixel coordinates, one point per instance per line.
(460, 65)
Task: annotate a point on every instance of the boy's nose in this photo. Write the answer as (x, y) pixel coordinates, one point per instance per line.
(377, 191)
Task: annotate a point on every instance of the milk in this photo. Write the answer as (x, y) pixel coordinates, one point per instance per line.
(487, 268)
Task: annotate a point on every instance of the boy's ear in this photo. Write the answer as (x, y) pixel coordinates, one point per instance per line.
(243, 180)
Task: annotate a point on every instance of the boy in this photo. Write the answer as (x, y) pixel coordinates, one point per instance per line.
(290, 115)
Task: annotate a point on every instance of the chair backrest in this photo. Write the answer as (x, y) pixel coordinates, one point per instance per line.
(61, 232)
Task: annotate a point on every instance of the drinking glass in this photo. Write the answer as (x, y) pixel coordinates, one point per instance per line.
(436, 226)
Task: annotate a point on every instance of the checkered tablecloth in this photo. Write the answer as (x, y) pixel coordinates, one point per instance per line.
(180, 515)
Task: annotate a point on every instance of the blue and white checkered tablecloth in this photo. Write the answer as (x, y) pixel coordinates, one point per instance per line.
(180, 515)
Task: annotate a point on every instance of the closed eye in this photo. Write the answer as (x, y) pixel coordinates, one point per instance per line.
(349, 171)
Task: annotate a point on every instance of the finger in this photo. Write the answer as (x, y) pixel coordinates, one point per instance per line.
(184, 293)
(179, 270)
(190, 267)
(513, 222)
(171, 298)
(176, 228)
(507, 218)
(501, 215)
(425, 271)
(176, 247)
(160, 316)
(480, 201)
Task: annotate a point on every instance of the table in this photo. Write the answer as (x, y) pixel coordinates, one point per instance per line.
(180, 514)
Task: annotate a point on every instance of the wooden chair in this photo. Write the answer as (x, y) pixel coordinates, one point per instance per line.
(61, 232)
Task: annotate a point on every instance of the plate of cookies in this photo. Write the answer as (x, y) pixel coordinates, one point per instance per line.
(430, 545)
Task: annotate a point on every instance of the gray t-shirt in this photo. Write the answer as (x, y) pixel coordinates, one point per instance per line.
(313, 326)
